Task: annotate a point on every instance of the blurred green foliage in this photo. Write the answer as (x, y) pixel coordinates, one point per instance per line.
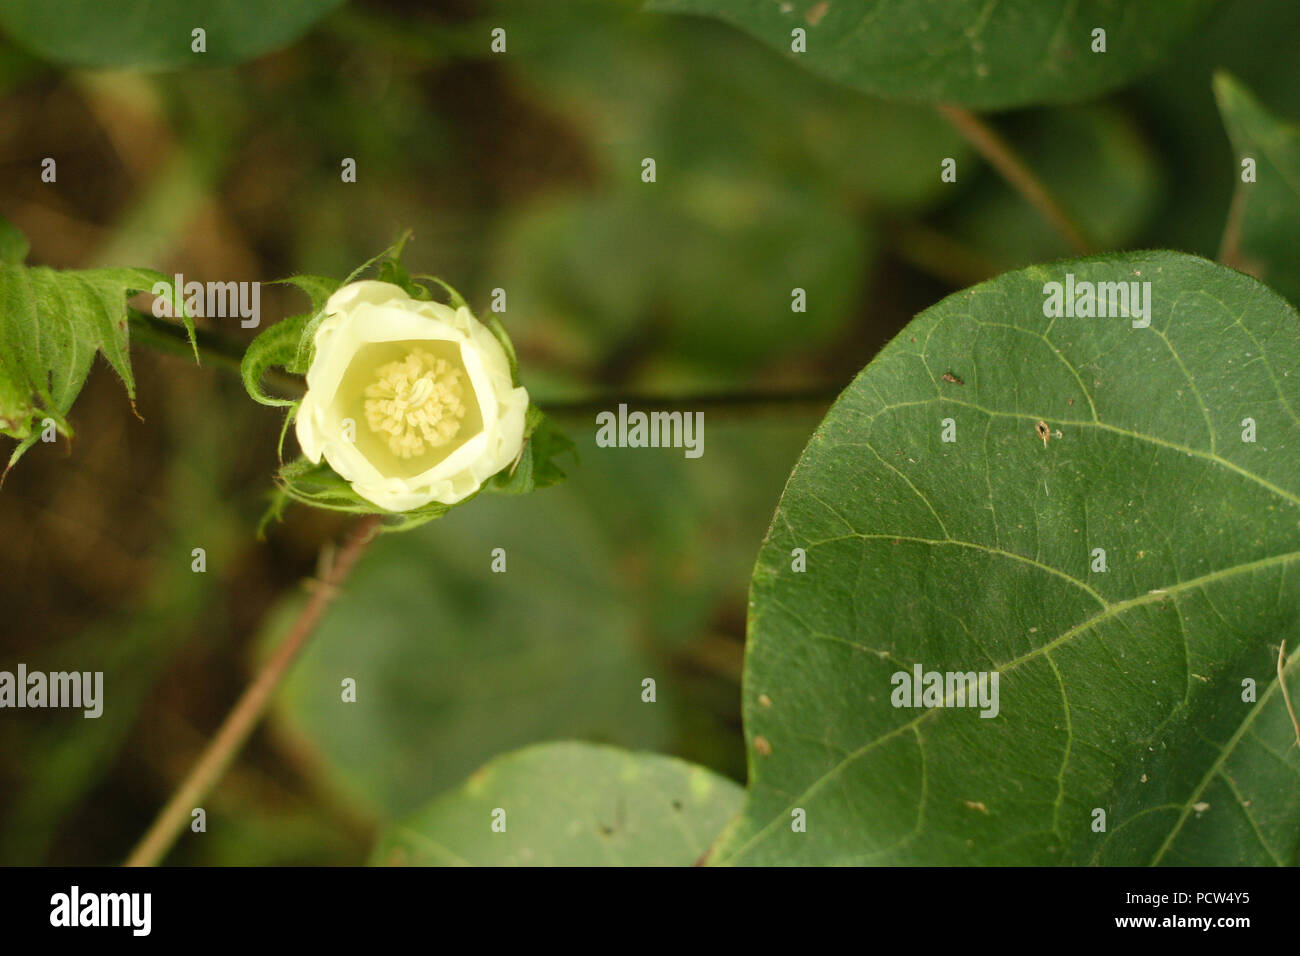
(616, 575)
(1263, 232)
(519, 171)
(159, 34)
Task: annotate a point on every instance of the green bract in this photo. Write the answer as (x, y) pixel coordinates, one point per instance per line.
(293, 344)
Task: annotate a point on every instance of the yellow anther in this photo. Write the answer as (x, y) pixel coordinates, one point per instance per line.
(416, 404)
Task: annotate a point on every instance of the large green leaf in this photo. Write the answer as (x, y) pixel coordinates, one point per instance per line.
(52, 324)
(1120, 690)
(982, 54)
(570, 804)
(157, 34)
(1267, 212)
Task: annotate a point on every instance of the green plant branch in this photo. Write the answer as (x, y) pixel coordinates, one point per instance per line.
(225, 353)
(171, 338)
(1002, 157)
(250, 708)
(213, 348)
(700, 401)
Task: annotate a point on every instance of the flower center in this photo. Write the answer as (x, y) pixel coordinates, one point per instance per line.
(416, 403)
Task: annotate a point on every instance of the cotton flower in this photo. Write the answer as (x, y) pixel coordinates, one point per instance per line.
(410, 401)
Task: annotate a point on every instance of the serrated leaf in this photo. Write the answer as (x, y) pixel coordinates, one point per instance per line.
(970, 52)
(569, 804)
(1267, 210)
(52, 323)
(1120, 690)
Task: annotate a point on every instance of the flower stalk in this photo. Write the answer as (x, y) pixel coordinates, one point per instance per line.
(249, 710)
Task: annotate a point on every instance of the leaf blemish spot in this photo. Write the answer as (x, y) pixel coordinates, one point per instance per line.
(763, 746)
(1044, 432)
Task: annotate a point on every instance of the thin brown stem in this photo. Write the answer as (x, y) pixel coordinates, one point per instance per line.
(248, 711)
(1012, 168)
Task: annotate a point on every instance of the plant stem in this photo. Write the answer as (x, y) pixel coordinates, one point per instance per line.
(246, 713)
(703, 401)
(171, 338)
(1022, 179)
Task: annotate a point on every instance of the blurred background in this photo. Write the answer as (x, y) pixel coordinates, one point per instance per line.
(520, 171)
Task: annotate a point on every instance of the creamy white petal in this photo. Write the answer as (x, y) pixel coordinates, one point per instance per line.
(368, 312)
